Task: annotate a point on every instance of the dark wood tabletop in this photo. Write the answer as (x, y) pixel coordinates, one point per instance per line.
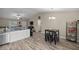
(53, 30)
(56, 30)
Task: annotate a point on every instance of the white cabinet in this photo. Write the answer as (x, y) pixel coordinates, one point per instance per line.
(18, 35)
(14, 36)
(4, 38)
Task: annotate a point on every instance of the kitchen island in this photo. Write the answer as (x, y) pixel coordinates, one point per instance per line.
(12, 36)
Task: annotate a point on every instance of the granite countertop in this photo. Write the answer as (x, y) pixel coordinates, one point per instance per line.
(12, 31)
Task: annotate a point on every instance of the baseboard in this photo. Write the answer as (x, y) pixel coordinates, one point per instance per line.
(63, 37)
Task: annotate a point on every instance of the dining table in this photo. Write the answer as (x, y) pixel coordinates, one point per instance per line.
(52, 31)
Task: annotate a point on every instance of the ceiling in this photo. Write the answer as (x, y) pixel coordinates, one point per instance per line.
(28, 12)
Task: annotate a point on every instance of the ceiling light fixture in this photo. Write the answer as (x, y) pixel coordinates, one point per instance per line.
(52, 17)
(49, 17)
(18, 16)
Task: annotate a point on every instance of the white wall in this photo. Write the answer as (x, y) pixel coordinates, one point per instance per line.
(3, 22)
(58, 23)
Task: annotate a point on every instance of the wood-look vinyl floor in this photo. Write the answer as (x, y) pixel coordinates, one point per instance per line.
(37, 42)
